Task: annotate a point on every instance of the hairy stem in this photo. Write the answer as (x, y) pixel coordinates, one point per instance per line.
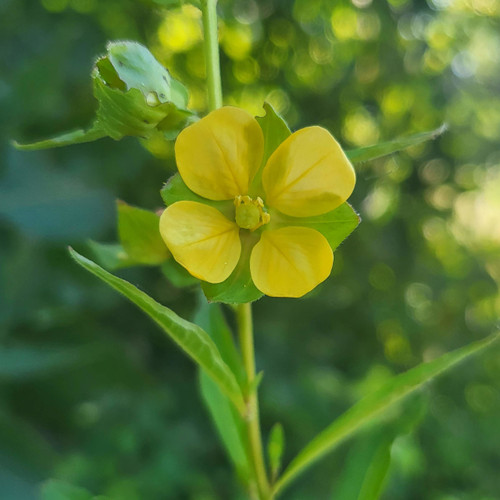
(211, 46)
(245, 328)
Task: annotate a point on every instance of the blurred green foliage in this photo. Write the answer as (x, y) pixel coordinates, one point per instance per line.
(92, 394)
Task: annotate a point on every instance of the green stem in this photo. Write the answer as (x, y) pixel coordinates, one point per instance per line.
(243, 311)
(245, 328)
(211, 46)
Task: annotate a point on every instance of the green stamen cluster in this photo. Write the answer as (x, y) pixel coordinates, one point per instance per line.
(250, 213)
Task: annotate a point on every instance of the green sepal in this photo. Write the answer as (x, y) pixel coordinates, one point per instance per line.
(335, 226)
(275, 131)
(178, 275)
(176, 190)
(274, 128)
(367, 153)
(136, 95)
(139, 234)
(239, 288)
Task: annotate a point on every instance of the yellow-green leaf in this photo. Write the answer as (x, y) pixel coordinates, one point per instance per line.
(373, 405)
(385, 148)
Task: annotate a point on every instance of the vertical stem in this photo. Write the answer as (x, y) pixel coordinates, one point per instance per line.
(211, 46)
(245, 327)
(243, 311)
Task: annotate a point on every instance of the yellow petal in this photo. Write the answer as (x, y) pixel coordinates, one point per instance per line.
(201, 239)
(291, 261)
(218, 156)
(308, 174)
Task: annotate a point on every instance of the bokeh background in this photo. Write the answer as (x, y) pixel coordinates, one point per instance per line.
(92, 393)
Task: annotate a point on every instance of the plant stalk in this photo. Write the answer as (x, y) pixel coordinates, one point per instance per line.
(243, 311)
(245, 328)
(211, 47)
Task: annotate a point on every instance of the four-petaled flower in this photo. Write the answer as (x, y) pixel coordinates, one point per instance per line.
(219, 158)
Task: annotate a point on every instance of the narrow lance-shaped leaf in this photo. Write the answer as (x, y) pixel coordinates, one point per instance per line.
(371, 406)
(194, 341)
(366, 468)
(229, 424)
(385, 148)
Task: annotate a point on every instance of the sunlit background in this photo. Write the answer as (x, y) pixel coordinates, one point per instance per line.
(93, 394)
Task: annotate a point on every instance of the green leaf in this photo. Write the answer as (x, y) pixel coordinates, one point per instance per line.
(176, 190)
(385, 148)
(139, 234)
(53, 489)
(177, 275)
(75, 137)
(335, 226)
(194, 341)
(210, 318)
(275, 448)
(228, 423)
(136, 95)
(371, 406)
(239, 288)
(367, 465)
(111, 256)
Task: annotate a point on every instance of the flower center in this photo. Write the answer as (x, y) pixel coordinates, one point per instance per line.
(250, 214)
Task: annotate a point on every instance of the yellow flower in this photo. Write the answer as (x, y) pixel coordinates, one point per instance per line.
(219, 158)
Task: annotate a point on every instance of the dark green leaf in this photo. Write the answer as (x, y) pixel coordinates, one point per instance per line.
(385, 148)
(335, 226)
(194, 341)
(373, 405)
(139, 234)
